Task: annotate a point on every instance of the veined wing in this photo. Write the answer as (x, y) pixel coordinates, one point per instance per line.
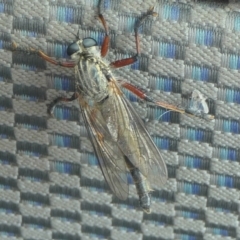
(145, 156)
(110, 157)
(117, 133)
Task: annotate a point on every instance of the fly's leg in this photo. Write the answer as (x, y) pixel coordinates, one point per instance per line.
(138, 24)
(139, 93)
(51, 106)
(105, 44)
(42, 55)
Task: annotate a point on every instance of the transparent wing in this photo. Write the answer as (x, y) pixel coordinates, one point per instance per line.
(117, 133)
(135, 142)
(110, 157)
(150, 162)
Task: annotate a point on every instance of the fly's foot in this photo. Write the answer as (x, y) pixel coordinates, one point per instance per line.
(16, 48)
(51, 106)
(151, 12)
(143, 18)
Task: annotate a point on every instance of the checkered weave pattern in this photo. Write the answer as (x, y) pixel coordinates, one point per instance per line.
(51, 186)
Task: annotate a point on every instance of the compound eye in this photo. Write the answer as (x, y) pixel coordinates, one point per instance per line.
(72, 48)
(89, 42)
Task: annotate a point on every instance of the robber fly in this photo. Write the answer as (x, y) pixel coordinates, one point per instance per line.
(118, 135)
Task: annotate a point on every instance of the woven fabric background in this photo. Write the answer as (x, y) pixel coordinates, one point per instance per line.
(50, 184)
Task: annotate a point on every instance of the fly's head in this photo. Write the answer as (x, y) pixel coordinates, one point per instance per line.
(85, 46)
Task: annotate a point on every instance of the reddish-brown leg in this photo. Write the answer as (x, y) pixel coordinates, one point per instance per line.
(61, 99)
(131, 60)
(139, 93)
(105, 44)
(43, 56)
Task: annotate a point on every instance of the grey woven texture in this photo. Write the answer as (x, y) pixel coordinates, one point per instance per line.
(50, 184)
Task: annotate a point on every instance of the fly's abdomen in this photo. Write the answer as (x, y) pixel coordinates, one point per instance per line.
(91, 80)
(142, 189)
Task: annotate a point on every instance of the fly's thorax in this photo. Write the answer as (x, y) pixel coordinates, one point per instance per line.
(90, 70)
(92, 78)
